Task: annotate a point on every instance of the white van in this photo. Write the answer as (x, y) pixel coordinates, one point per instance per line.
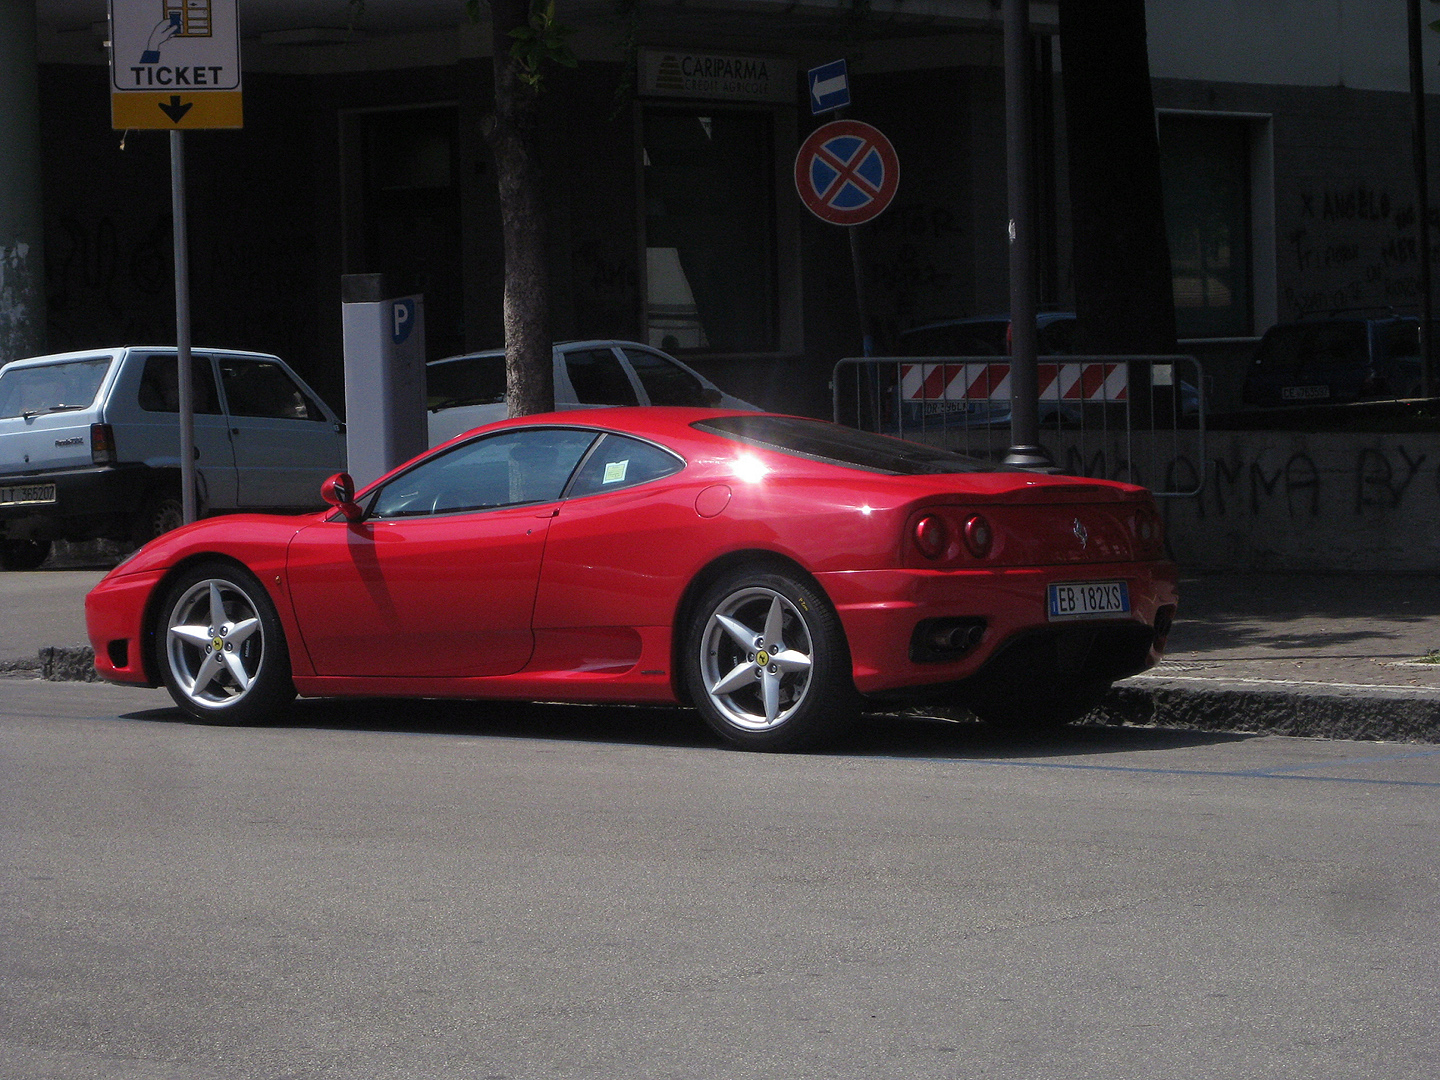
(90, 444)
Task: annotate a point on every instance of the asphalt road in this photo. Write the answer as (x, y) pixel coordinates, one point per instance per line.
(411, 890)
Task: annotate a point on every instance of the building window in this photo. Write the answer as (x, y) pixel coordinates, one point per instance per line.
(710, 255)
(1206, 172)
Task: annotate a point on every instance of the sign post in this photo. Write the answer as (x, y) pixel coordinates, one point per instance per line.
(175, 64)
(846, 173)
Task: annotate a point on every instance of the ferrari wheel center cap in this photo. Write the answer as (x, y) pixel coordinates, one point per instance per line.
(762, 658)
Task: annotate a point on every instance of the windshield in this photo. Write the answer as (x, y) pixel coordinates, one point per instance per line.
(47, 388)
(819, 440)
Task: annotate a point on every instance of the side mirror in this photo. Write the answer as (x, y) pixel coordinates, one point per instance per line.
(339, 491)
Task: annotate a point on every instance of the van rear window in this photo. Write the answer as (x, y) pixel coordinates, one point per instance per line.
(48, 388)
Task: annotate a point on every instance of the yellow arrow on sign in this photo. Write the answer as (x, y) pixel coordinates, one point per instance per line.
(138, 111)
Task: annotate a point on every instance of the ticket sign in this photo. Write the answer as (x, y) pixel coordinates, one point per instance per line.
(175, 64)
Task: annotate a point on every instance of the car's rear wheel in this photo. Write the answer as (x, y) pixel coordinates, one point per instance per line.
(23, 554)
(221, 647)
(766, 662)
(160, 512)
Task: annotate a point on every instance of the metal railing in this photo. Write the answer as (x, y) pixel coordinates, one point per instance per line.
(1135, 418)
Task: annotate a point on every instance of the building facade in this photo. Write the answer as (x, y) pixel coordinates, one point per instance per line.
(668, 170)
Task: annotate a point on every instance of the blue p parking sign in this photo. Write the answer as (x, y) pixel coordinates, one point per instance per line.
(402, 320)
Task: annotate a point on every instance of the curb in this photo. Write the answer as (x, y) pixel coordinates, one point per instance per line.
(1378, 715)
(62, 664)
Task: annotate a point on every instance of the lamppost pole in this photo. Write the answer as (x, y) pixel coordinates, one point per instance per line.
(1025, 449)
(1422, 197)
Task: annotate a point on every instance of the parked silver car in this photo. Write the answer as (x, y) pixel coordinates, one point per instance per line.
(463, 392)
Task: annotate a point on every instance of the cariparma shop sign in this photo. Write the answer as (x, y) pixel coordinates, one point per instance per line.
(674, 73)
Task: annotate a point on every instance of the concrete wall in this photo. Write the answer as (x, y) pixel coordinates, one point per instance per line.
(1356, 43)
(1329, 503)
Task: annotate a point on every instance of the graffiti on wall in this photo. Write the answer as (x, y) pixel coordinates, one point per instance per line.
(911, 255)
(1355, 245)
(1364, 482)
(20, 302)
(109, 282)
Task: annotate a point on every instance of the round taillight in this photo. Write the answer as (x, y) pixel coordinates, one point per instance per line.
(1148, 528)
(978, 536)
(931, 536)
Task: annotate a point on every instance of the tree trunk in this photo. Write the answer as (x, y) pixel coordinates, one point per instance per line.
(1124, 294)
(513, 138)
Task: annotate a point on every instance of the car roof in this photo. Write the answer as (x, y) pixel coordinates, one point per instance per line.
(586, 343)
(115, 350)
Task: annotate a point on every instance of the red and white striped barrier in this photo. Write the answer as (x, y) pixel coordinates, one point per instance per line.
(1092, 381)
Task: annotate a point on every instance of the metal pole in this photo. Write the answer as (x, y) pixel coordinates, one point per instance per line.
(1422, 197)
(182, 327)
(867, 338)
(1025, 449)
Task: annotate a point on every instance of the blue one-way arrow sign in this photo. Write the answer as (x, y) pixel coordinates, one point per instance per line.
(829, 87)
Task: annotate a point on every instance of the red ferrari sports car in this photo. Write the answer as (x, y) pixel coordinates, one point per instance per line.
(772, 571)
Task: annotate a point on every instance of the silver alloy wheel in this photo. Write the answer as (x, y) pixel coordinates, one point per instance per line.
(756, 658)
(215, 643)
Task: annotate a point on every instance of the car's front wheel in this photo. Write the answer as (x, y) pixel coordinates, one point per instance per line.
(221, 646)
(767, 664)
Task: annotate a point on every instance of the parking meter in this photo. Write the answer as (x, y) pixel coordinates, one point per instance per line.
(385, 422)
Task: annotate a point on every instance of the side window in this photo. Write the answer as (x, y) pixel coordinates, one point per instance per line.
(1058, 338)
(160, 386)
(507, 469)
(262, 388)
(1402, 339)
(664, 382)
(620, 462)
(471, 380)
(598, 378)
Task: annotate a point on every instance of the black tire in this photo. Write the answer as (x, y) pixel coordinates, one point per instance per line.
(161, 512)
(220, 610)
(23, 554)
(752, 695)
(1035, 711)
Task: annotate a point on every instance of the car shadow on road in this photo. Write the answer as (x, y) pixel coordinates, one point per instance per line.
(907, 734)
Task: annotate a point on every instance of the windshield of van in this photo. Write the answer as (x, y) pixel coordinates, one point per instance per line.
(47, 388)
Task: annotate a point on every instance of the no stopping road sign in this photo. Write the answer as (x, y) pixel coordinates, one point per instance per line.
(846, 172)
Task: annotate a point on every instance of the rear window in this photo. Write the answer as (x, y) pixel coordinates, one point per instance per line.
(836, 445)
(1289, 349)
(956, 339)
(27, 391)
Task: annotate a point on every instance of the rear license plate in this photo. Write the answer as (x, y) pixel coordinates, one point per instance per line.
(1089, 600)
(21, 496)
(1304, 393)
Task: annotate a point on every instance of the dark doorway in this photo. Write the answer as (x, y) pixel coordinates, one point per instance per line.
(410, 208)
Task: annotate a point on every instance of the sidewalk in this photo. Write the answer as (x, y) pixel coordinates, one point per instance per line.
(1300, 654)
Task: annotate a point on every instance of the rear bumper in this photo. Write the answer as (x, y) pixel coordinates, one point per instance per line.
(880, 610)
(92, 502)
